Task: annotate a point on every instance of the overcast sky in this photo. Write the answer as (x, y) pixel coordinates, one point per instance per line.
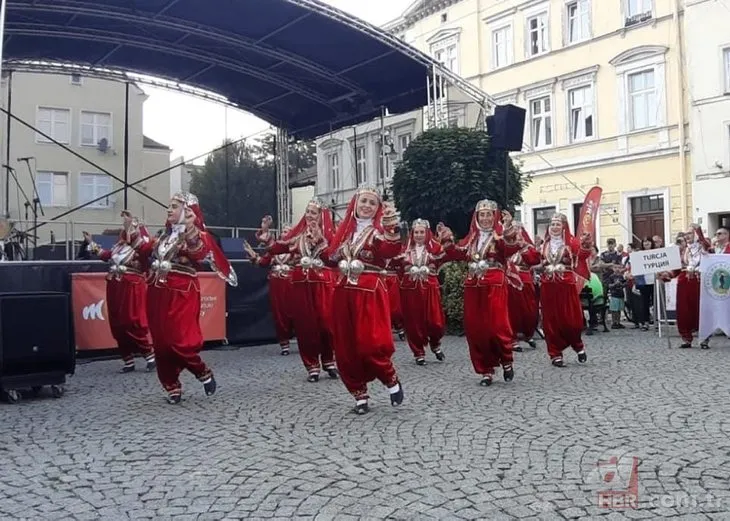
(192, 126)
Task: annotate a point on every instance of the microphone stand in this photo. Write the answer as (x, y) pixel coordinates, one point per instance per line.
(36, 203)
(11, 170)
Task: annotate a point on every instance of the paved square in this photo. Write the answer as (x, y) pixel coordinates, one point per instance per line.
(270, 445)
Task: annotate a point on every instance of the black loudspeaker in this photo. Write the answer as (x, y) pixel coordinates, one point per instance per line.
(36, 339)
(507, 127)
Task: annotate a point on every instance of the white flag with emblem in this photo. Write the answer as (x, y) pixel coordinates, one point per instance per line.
(714, 295)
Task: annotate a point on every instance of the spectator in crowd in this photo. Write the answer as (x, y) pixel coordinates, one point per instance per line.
(658, 241)
(617, 290)
(642, 292)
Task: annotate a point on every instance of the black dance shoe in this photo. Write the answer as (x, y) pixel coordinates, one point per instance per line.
(332, 372)
(532, 344)
(509, 373)
(440, 356)
(174, 399)
(313, 378)
(151, 365)
(517, 348)
(284, 351)
(558, 362)
(401, 335)
(420, 361)
(705, 345)
(486, 381)
(210, 386)
(686, 345)
(397, 398)
(362, 408)
(582, 357)
(127, 369)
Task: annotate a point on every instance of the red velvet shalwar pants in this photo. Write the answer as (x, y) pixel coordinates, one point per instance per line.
(688, 305)
(396, 307)
(562, 314)
(523, 312)
(127, 305)
(311, 311)
(423, 317)
(174, 317)
(280, 300)
(363, 338)
(486, 325)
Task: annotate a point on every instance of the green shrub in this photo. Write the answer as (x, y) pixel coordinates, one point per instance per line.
(453, 275)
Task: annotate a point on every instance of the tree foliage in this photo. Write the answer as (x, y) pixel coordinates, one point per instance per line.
(445, 172)
(237, 185)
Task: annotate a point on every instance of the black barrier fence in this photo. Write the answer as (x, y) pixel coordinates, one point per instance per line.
(248, 314)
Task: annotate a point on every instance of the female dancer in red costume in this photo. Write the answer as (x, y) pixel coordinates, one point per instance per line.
(392, 282)
(694, 246)
(565, 271)
(310, 295)
(363, 339)
(173, 295)
(522, 297)
(486, 316)
(420, 295)
(126, 293)
(279, 286)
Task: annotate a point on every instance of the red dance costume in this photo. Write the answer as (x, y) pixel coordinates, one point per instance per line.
(486, 316)
(173, 296)
(363, 338)
(565, 263)
(688, 288)
(392, 283)
(420, 295)
(524, 311)
(311, 289)
(279, 291)
(126, 296)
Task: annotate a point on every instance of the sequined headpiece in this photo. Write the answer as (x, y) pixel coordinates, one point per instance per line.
(559, 217)
(316, 202)
(368, 189)
(421, 222)
(186, 198)
(486, 204)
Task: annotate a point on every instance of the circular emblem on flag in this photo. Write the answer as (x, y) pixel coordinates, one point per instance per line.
(717, 281)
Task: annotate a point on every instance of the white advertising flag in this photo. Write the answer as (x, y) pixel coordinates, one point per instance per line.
(714, 295)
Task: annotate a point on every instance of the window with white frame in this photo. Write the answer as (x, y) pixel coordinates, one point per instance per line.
(578, 20)
(333, 171)
(95, 126)
(52, 188)
(54, 123)
(447, 55)
(541, 122)
(361, 165)
(403, 141)
(638, 11)
(580, 109)
(502, 47)
(643, 99)
(538, 38)
(726, 67)
(93, 186)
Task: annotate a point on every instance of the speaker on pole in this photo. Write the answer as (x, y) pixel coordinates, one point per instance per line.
(507, 127)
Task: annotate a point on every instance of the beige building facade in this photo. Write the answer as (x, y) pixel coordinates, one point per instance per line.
(87, 115)
(603, 85)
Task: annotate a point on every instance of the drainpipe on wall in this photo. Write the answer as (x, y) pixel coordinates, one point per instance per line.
(681, 114)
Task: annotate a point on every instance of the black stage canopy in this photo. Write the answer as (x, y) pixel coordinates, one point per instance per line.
(300, 65)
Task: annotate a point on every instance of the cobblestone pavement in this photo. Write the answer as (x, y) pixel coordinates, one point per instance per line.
(270, 445)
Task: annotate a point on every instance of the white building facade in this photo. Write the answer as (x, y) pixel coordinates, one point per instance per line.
(708, 75)
(87, 115)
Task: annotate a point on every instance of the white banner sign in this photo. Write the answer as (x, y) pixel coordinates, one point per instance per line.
(650, 262)
(714, 295)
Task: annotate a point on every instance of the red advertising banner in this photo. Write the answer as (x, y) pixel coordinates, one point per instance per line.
(589, 212)
(91, 318)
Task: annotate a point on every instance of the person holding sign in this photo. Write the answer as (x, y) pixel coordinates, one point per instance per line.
(565, 271)
(280, 267)
(693, 246)
(126, 292)
(309, 290)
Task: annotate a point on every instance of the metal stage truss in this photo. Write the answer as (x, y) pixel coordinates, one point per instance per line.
(301, 65)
